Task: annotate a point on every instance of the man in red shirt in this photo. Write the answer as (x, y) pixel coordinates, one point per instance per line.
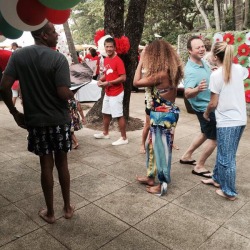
(112, 81)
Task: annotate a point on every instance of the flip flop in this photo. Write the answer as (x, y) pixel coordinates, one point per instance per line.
(202, 174)
(188, 162)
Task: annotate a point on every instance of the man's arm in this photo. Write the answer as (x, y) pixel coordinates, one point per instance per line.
(193, 92)
(64, 93)
(6, 93)
(121, 78)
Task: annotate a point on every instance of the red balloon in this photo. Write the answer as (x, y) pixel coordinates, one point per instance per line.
(31, 12)
(57, 16)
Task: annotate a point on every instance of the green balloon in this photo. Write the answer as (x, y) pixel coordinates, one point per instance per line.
(59, 4)
(8, 31)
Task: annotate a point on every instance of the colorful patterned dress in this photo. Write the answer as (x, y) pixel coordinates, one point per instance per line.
(76, 123)
(163, 119)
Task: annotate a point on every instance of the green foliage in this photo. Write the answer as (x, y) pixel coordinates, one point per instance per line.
(168, 18)
(229, 19)
(172, 18)
(87, 18)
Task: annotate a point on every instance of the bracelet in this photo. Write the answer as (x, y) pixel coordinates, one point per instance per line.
(108, 83)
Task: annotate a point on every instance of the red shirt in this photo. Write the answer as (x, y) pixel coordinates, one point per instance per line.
(15, 85)
(113, 68)
(4, 58)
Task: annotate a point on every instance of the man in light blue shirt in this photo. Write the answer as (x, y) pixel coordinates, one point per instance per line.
(196, 80)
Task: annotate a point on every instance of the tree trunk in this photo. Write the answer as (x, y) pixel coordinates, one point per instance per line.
(114, 17)
(246, 12)
(133, 30)
(114, 26)
(203, 14)
(222, 10)
(216, 15)
(238, 4)
(70, 41)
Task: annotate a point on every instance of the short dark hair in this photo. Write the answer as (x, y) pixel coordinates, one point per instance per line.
(189, 46)
(208, 44)
(36, 33)
(110, 40)
(14, 44)
(93, 52)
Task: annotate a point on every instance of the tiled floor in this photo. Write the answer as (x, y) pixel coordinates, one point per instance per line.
(113, 211)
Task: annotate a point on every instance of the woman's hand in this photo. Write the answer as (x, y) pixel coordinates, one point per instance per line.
(206, 116)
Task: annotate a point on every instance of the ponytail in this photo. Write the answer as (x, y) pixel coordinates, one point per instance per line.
(225, 53)
(227, 62)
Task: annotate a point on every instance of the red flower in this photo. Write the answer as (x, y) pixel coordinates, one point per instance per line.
(98, 35)
(236, 60)
(122, 45)
(247, 95)
(239, 39)
(243, 50)
(229, 38)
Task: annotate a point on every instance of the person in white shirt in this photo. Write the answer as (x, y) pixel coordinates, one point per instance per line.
(228, 101)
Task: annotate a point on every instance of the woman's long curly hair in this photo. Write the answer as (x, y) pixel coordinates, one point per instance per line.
(161, 56)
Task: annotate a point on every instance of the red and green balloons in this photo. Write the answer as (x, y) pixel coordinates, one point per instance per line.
(29, 15)
(59, 4)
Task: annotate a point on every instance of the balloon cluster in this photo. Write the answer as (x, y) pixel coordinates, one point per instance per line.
(17, 16)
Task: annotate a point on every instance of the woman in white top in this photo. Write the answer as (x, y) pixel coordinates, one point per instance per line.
(228, 100)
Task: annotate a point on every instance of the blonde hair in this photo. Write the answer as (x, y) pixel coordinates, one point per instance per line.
(161, 56)
(225, 53)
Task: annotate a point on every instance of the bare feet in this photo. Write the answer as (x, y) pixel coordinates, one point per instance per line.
(43, 213)
(210, 182)
(154, 189)
(68, 213)
(175, 147)
(220, 192)
(145, 180)
(76, 146)
(142, 149)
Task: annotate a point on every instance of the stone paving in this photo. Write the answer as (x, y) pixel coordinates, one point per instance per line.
(113, 211)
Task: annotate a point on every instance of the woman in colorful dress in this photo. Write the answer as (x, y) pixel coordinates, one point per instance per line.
(228, 101)
(76, 122)
(164, 71)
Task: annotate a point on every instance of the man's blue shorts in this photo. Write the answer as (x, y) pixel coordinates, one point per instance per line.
(208, 128)
(48, 139)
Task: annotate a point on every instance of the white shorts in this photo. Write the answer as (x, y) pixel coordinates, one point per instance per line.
(14, 93)
(113, 105)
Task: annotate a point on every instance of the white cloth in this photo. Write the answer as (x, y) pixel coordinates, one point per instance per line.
(231, 108)
(113, 105)
(14, 93)
(89, 93)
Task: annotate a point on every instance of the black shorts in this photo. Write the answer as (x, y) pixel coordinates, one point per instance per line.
(45, 140)
(208, 128)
